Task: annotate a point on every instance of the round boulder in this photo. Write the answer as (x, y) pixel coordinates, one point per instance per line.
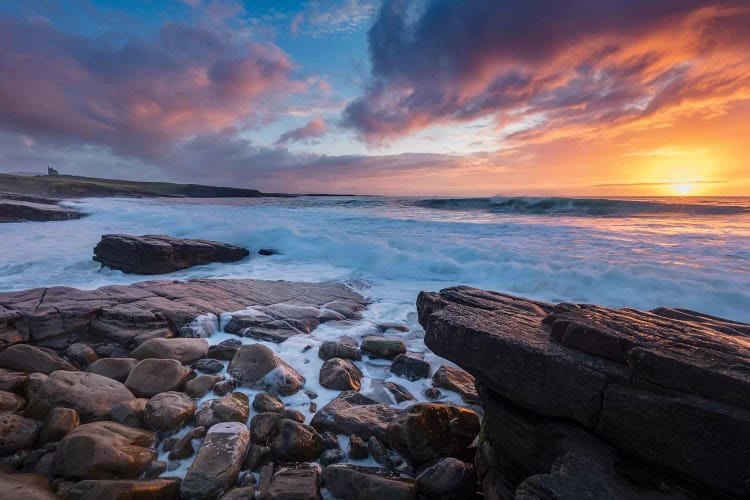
(152, 376)
(17, 433)
(257, 366)
(186, 351)
(340, 374)
(294, 442)
(232, 408)
(31, 359)
(114, 368)
(168, 411)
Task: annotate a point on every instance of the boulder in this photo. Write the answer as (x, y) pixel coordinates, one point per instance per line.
(382, 347)
(33, 384)
(159, 254)
(456, 380)
(398, 392)
(58, 422)
(92, 396)
(183, 447)
(367, 483)
(125, 489)
(257, 457)
(208, 365)
(276, 322)
(201, 385)
(114, 368)
(31, 359)
(232, 408)
(17, 433)
(152, 376)
(448, 479)
(105, 450)
(11, 402)
(243, 493)
(344, 348)
(224, 350)
(12, 381)
(292, 441)
(267, 402)
(379, 453)
(81, 354)
(427, 431)
(186, 351)
(25, 486)
(410, 368)
(299, 482)
(168, 411)
(262, 425)
(354, 413)
(257, 366)
(340, 374)
(218, 461)
(130, 413)
(358, 449)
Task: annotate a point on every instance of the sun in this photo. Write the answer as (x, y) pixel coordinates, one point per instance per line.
(682, 188)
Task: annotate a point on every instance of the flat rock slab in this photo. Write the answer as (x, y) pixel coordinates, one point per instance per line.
(160, 254)
(130, 315)
(28, 211)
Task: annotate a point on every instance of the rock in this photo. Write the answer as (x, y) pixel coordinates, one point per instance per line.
(256, 366)
(262, 425)
(292, 441)
(382, 347)
(45, 465)
(125, 489)
(330, 441)
(427, 431)
(130, 413)
(11, 402)
(329, 457)
(268, 251)
(25, 486)
(218, 461)
(17, 433)
(185, 351)
(168, 411)
(358, 449)
(183, 447)
(92, 396)
(399, 393)
(257, 457)
(299, 482)
(267, 402)
(21, 211)
(224, 350)
(243, 493)
(152, 376)
(353, 413)
(208, 365)
(33, 384)
(155, 469)
(344, 348)
(453, 379)
(201, 385)
(105, 450)
(232, 408)
(379, 453)
(224, 387)
(448, 479)
(340, 374)
(276, 322)
(58, 422)
(114, 368)
(30, 359)
(432, 393)
(159, 254)
(367, 483)
(12, 381)
(81, 354)
(410, 368)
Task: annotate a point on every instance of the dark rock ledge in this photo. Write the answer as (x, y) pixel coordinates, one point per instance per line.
(583, 401)
(21, 208)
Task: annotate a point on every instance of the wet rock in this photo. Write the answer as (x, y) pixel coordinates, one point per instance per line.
(448, 479)
(353, 413)
(11, 402)
(301, 481)
(168, 411)
(155, 469)
(201, 385)
(367, 483)
(267, 402)
(340, 374)
(399, 393)
(257, 457)
(25, 486)
(292, 441)
(125, 489)
(12, 381)
(456, 380)
(358, 449)
(224, 387)
(274, 323)
(268, 251)
(224, 350)
(330, 441)
(232, 408)
(379, 453)
(382, 347)
(32, 384)
(186, 351)
(410, 368)
(432, 393)
(208, 365)
(130, 413)
(92, 396)
(152, 376)
(159, 254)
(344, 348)
(114, 368)
(45, 466)
(218, 461)
(183, 447)
(17, 433)
(31, 359)
(295, 415)
(105, 450)
(58, 422)
(242, 493)
(81, 354)
(329, 457)
(257, 366)
(427, 431)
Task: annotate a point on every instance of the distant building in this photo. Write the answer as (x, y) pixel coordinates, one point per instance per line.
(51, 172)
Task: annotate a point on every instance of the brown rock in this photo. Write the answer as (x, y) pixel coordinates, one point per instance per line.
(300, 482)
(294, 442)
(183, 448)
(11, 381)
(17, 433)
(81, 354)
(186, 351)
(25, 486)
(456, 380)
(232, 408)
(125, 489)
(114, 368)
(11, 402)
(267, 402)
(344, 348)
(152, 376)
(353, 413)
(31, 359)
(383, 347)
(130, 413)
(201, 385)
(340, 374)
(256, 366)
(58, 422)
(168, 411)
(367, 483)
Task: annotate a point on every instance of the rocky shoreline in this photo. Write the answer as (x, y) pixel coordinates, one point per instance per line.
(16, 207)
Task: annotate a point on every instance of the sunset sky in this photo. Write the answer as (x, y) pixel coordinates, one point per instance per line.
(428, 97)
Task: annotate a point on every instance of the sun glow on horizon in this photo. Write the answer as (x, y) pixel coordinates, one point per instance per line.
(683, 188)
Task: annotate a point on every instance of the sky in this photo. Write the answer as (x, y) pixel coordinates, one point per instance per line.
(398, 97)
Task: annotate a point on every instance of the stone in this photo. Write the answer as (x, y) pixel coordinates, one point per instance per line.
(398, 392)
(432, 393)
(257, 366)
(329, 457)
(382, 347)
(201, 385)
(114, 368)
(58, 422)
(81, 354)
(379, 453)
(31, 359)
(218, 461)
(12, 381)
(292, 441)
(358, 449)
(427, 431)
(168, 411)
(11, 402)
(130, 413)
(295, 415)
(448, 479)
(262, 425)
(152, 376)
(340, 374)
(17, 433)
(33, 384)
(25, 486)
(243, 493)
(410, 368)
(299, 482)
(224, 350)
(208, 365)
(92, 396)
(268, 251)
(344, 348)
(367, 483)
(105, 450)
(330, 441)
(267, 402)
(257, 457)
(186, 351)
(275, 322)
(354, 413)
(183, 447)
(452, 379)
(125, 489)
(232, 408)
(224, 387)
(155, 469)
(159, 254)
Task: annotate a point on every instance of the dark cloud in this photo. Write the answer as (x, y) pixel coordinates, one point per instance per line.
(314, 128)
